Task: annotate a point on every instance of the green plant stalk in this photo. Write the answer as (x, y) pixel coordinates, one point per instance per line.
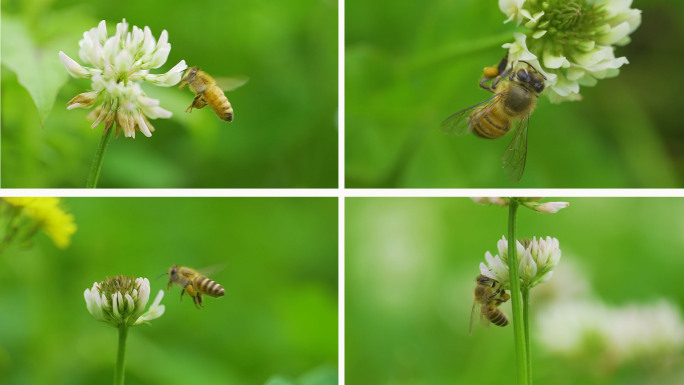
(12, 228)
(99, 157)
(516, 298)
(526, 324)
(121, 356)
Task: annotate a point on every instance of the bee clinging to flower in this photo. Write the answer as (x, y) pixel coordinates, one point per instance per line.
(515, 96)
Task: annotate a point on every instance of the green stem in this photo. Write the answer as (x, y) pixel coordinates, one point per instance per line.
(516, 300)
(99, 157)
(526, 323)
(121, 356)
(12, 227)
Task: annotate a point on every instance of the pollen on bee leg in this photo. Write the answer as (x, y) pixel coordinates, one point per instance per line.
(490, 72)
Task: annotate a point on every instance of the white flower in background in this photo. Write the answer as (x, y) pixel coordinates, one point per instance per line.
(529, 202)
(537, 258)
(497, 201)
(119, 63)
(121, 300)
(618, 334)
(571, 42)
(546, 207)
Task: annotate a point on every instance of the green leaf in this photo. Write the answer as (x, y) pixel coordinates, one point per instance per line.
(38, 69)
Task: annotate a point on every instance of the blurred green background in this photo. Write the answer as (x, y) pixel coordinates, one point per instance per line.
(409, 65)
(410, 270)
(279, 315)
(285, 130)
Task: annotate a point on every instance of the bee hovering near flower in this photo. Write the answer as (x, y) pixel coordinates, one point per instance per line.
(194, 283)
(208, 92)
(515, 97)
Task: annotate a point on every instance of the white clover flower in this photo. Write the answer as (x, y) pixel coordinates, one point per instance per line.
(529, 202)
(571, 42)
(118, 63)
(618, 334)
(497, 201)
(121, 300)
(537, 259)
(546, 207)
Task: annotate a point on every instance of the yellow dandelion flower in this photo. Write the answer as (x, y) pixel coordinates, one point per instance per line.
(50, 217)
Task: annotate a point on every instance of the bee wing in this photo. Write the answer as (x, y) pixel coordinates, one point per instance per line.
(456, 123)
(478, 313)
(212, 270)
(516, 153)
(475, 313)
(231, 83)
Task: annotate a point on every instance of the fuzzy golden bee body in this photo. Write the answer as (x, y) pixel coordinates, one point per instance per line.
(489, 294)
(194, 283)
(515, 97)
(207, 92)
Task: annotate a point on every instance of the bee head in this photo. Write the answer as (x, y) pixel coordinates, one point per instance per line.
(173, 272)
(483, 279)
(534, 78)
(190, 73)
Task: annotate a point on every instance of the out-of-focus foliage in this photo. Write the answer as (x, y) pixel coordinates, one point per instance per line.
(321, 376)
(411, 265)
(284, 133)
(409, 65)
(278, 318)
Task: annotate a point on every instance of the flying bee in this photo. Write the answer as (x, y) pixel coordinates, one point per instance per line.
(208, 92)
(489, 294)
(194, 283)
(515, 97)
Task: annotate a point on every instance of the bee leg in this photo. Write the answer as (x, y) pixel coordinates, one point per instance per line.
(198, 103)
(198, 300)
(196, 296)
(503, 63)
(496, 81)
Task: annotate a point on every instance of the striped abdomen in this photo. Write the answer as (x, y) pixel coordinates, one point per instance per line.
(219, 103)
(494, 315)
(489, 123)
(206, 286)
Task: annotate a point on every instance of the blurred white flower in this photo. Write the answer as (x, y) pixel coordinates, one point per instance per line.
(121, 300)
(571, 42)
(546, 207)
(118, 64)
(621, 334)
(497, 201)
(537, 259)
(529, 202)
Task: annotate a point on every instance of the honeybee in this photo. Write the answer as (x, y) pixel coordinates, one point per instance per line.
(194, 283)
(515, 97)
(489, 294)
(208, 92)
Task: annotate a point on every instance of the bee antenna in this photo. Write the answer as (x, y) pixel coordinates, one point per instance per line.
(161, 275)
(535, 70)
